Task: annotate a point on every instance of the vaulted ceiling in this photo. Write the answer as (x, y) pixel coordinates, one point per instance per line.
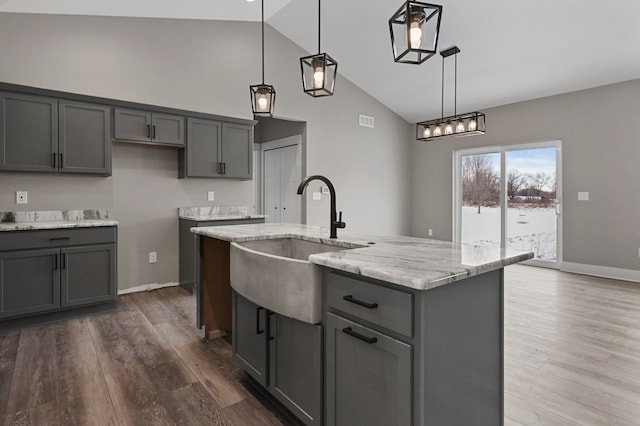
(510, 50)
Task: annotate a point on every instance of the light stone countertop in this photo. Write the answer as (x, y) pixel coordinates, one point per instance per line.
(209, 213)
(416, 263)
(54, 219)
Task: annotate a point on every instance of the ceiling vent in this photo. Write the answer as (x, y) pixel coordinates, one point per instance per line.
(366, 121)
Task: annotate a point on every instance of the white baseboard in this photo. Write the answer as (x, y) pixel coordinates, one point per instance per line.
(145, 287)
(601, 271)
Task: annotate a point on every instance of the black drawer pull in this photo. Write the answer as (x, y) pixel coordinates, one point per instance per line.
(59, 239)
(350, 332)
(258, 330)
(54, 155)
(349, 298)
(55, 262)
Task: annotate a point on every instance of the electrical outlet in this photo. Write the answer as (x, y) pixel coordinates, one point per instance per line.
(430, 232)
(153, 257)
(317, 196)
(210, 196)
(21, 197)
(583, 196)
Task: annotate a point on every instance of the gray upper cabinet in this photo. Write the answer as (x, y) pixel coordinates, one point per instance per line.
(39, 134)
(237, 151)
(28, 133)
(217, 149)
(148, 127)
(203, 149)
(85, 143)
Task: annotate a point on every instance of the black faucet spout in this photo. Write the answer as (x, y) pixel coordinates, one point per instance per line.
(334, 221)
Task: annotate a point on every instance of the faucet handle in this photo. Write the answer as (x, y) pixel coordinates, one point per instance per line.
(340, 223)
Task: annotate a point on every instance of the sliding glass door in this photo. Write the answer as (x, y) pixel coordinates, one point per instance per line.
(510, 197)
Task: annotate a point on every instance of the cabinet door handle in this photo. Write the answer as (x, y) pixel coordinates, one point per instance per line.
(269, 315)
(55, 262)
(61, 163)
(349, 298)
(154, 132)
(148, 130)
(53, 156)
(258, 330)
(350, 332)
(64, 261)
(224, 168)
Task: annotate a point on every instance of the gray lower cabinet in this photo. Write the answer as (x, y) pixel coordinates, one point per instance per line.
(399, 356)
(217, 149)
(40, 134)
(50, 270)
(148, 127)
(189, 262)
(282, 354)
(368, 376)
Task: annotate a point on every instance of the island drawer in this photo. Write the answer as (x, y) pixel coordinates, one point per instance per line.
(20, 240)
(386, 307)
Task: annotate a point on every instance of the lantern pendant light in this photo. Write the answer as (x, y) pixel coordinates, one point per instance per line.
(318, 71)
(263, 96)
(414, 32)
(471, 123)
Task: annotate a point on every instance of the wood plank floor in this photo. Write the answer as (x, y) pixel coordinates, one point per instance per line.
(572, 357)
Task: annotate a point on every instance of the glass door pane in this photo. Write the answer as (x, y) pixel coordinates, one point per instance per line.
(480, 216)
(532, 201)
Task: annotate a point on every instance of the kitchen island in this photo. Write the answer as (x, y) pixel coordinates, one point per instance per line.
(411, 331)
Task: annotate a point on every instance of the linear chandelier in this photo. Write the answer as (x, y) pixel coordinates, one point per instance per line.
(471, 123)
(318, 71)
(414, 32)
(263, 96)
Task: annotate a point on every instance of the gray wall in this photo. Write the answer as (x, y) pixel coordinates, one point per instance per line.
(202, 66)
(600, 152)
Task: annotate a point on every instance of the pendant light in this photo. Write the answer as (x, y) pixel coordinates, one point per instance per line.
(414, 32)
(263, 96)
(471, 123)
(318, 71)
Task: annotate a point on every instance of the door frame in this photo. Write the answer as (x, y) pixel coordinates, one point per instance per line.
(502, 149)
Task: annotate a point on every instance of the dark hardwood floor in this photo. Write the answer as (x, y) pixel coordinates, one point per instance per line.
(572, 357)
(142, 364)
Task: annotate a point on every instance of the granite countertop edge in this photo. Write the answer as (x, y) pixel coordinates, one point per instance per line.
(411, 262)
(206, 218)
(29, 226)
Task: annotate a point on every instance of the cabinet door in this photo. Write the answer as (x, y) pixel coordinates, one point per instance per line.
(249, 338)
(85, 141)
(368, 377)
(28, 133)
(88, 274)
(167, 129)
(203, 148)
(295, 366)
(237, 150)
(132, 125)
(29, 282)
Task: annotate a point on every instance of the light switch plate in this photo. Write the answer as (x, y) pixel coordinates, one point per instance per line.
(153, 257)
(583, 196)
(317, 196)
(21, 197)
(325, 190)
(210, 195)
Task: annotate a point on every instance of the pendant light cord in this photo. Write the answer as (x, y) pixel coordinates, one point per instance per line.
(318, 26)
(263, 42)
(442, 98)
(455, 87)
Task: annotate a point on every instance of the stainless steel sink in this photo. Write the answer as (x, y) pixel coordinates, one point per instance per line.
(276, 274)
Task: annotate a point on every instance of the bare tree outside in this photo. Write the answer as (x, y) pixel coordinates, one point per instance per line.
(515, 182)
(480, 182)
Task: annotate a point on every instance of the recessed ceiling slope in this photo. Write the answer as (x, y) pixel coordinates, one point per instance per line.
(223, 10)
(514, 51)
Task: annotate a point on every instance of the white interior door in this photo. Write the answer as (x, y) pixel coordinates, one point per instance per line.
(281, 176)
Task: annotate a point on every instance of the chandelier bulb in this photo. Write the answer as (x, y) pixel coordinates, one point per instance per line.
(473, 125)
(426, 132)
(460, 127)
(448, 129)
(437, 131)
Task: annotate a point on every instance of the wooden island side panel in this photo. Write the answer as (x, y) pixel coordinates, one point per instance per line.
(216, 287)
